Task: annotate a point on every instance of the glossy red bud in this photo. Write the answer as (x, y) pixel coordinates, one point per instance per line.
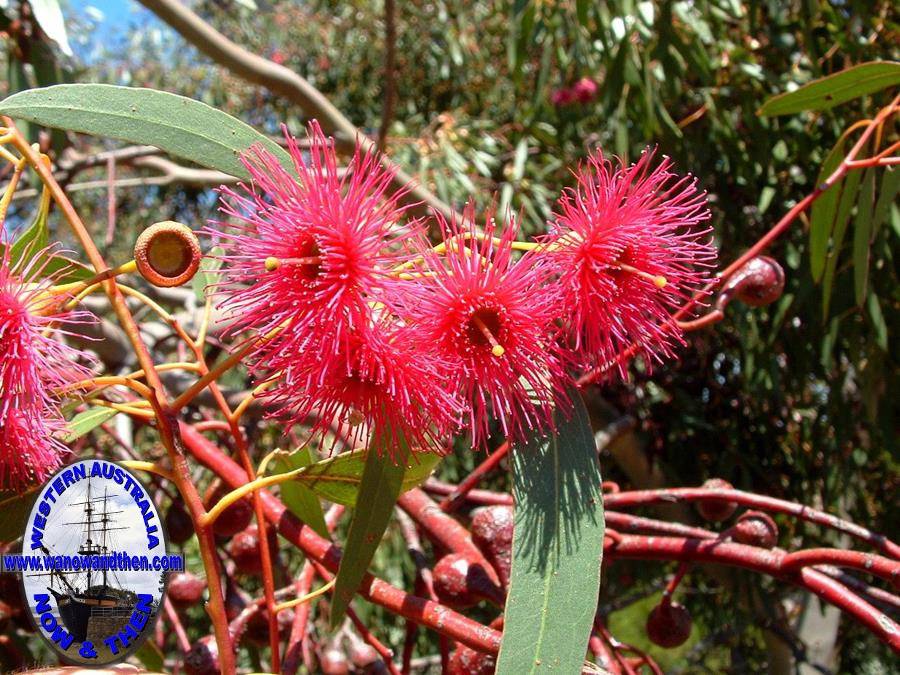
(492, 532)
(756, 528)
(715, 511)
(460, 582)
(669, 625)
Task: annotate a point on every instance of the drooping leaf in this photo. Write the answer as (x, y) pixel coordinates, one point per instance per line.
(557, 550)
(177, 125)
(381, 484)
(36, 236)
(862, 230)
(823, 211)
(15, 508)
(301, 501)
(887, 193)
(877, 318)
(338, 479)
(827, 92)
(86, 421)
(849, 193)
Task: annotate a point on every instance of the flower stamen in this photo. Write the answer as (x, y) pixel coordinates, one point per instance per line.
(496, 348)
(657, 280)
(272, 263)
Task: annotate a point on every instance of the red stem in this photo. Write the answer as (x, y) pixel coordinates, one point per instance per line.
(455, 500)
(865, 562)
(424, 612)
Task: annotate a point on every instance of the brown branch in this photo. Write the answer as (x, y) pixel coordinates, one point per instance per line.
(284, 82)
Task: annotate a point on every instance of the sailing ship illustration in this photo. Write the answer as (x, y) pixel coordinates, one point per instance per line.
(78, 595)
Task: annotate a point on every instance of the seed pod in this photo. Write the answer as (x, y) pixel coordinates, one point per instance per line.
(233, 519)
(179, 525)
(257, 629)
(492, 532)
(669, 624)
(759, 282)
(185, 589)
(715, 511)
(460, 582)
(167, 254)
(466, 661)
(203, 659)
(755, 528)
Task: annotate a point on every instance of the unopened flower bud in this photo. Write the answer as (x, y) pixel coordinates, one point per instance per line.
(492, 532)
(715, 511)
(460, 582)
(759, 282)
(756, 528)
(669, 624)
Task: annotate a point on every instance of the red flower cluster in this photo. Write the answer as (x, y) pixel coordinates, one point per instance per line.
(584, 91)
(34, 366)
(360, 325)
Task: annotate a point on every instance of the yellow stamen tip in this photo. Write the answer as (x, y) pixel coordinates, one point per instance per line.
(660, 281)
(498, 350)
(272, 264)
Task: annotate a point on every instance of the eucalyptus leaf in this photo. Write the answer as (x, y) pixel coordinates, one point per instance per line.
(557, 550)
(86, 421)
(380, 486)
(338, 479)
(177, 125)
(301, 501)
(827, 92)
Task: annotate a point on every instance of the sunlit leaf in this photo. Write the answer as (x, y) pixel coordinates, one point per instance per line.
(827, 92)
(301, 501)
(177, 125)
(86, 421)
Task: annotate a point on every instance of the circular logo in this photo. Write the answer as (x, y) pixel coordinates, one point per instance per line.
(94, 562)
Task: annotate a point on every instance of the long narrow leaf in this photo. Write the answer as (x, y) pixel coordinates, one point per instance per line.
(557, 550)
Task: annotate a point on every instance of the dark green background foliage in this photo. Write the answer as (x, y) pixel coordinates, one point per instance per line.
(789, 400)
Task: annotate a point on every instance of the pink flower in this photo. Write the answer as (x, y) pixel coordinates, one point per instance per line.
(490, 320)
(379, 381)
(562, 97)
(34, 366)
(628, 246)
(309, 250)
(585, 90)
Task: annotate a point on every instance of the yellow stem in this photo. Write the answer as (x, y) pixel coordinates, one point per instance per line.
(11, 187)
(150, 467)
(243, 405)
(305, 598)
(134, 412)
(244, 490)
(96, 280)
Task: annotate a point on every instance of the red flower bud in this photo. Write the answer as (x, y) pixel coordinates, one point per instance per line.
(669, 625)
(460, 582)
(179, 525)
(203, 659)
(585, 90)
(715, 511)
(185, 589)
(467, 661)
(756, 528)
(492, 532)
(759, 282)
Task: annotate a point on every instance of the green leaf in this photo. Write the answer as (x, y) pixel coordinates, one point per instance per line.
(177, 125)
(557, 550)
(206, 274)
(301, 501)
(86, 421)
(887, 193)
(862, 231)
(827, 92)
(823, 211)
(338, 479)
(841, 220)
(15, 508)
(381, 484)
(877, 317)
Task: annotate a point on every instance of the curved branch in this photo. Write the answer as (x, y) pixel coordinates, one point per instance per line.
(284, 82)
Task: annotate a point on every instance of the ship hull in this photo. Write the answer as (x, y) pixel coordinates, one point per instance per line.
(76, 611)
